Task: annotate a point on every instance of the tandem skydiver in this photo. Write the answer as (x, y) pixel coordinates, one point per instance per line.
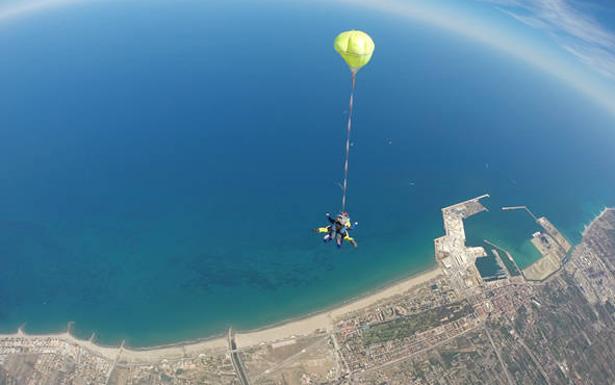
(338, 229)
(356, 48)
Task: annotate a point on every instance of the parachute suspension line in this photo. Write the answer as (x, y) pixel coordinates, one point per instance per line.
(348, 131)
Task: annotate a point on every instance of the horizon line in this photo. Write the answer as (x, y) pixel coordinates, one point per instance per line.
(441, 16)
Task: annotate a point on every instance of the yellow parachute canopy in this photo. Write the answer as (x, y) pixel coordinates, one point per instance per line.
(355, 47)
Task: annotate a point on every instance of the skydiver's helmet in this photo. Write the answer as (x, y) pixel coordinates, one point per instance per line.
(344, 219)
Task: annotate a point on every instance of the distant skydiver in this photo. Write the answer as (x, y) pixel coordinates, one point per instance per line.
(338, 230)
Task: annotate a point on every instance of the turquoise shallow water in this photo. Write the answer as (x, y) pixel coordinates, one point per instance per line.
(156, 188)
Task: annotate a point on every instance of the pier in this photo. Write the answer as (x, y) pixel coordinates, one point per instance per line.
(504, 271)
(522, 208)
(508, 255)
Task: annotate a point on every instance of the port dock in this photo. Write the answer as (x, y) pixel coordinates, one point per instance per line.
(551, 244)
(454, 257)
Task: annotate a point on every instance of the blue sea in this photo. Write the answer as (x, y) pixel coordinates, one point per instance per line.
(162, 164)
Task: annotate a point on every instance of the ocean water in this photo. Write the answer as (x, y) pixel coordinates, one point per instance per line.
(162, 166)
(488, 267)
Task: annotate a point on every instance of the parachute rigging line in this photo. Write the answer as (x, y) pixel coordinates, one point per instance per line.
(348, 131)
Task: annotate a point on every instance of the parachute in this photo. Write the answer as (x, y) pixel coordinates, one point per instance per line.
(355, 47)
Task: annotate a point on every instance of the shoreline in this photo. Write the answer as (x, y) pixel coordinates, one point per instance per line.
(588, 226)
(319, 321)
(323, 319)
(303, 325)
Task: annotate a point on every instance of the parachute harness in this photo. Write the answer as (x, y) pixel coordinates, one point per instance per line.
(348, 131)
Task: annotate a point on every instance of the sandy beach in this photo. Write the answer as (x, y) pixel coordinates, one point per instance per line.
(323, 320)
(303, 326)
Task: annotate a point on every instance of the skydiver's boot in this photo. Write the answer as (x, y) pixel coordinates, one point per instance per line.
(351, 240)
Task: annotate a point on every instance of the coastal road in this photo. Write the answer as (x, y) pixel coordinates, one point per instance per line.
(236, 360)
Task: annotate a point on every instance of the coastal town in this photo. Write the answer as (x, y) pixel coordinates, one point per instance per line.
(552, 322)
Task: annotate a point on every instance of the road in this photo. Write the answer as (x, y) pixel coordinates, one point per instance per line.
(237, 364)
(497, 353)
